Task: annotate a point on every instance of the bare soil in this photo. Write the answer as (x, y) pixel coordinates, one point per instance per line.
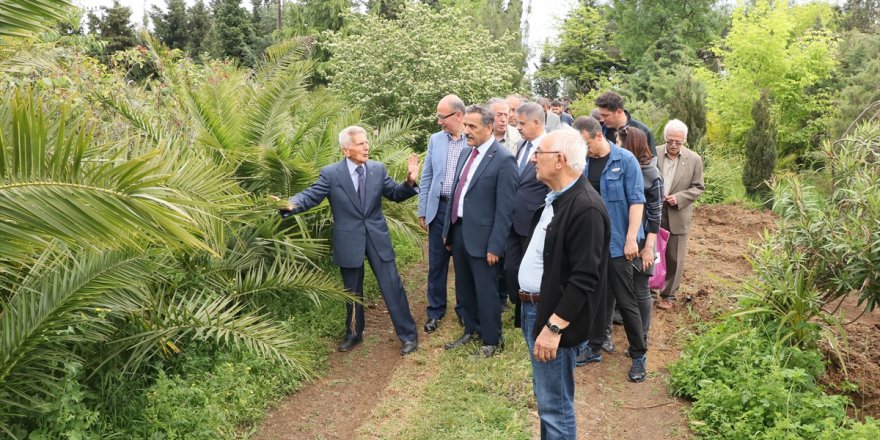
(861, 358)
(608, 407)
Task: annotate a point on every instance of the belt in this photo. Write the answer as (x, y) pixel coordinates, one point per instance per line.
(444, 198)
(529, 297)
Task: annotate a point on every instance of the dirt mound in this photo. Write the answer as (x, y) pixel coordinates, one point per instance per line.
(861, 357)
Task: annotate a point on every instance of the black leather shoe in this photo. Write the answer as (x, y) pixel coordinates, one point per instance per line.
(409, 347)
(464, 339)
(431, 325)
(487, 351)
(349, 343)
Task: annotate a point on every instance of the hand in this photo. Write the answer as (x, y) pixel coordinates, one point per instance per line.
(491, 258)
(283, 206)
(647, 255)
(670, 200)
(631, 249)
(422, 224)
(546, 345)
(412, 166)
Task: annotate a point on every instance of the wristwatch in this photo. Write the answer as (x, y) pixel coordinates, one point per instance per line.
(554, 328)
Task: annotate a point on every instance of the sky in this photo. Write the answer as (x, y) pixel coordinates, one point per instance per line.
(544, 19)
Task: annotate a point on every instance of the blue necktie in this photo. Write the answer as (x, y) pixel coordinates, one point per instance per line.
(362, 193)
(525, 157)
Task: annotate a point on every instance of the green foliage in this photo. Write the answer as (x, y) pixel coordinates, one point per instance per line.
(688, 105)
(643, 29)
(199, 28)
(400, 68)
(787, 50)
(233, 32)
(114, 27)
(858, 73)
(863, 15)
(760, 151)
(170, 26)
(835, 237)
(746, 386)
(722, 173)
(23, 18)
(581, 56)
(503, 19)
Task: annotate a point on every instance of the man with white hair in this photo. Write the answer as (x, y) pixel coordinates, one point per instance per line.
(505, 132)
(562, 277)
(682, 171)
(355, 187)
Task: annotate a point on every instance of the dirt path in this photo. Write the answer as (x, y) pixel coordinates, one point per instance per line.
(608, 407)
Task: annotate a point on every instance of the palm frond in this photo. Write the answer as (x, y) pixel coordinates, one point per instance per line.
(23, 18)
(201, 316)
(287, 278)
(57, 304)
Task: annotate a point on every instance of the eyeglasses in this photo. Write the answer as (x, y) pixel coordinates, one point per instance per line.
(441, 117)
(675, 143)
(538, 152)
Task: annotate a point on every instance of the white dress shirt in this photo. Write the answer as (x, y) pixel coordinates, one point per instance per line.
(482, 149)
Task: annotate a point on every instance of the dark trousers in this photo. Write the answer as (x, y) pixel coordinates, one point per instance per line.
(621, 292)
(476, 289)
(513, 254)
(438, 264)
(392, 293)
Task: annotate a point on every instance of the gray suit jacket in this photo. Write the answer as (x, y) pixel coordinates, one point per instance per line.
(686, 186)
(488, 202)
(432, 175)
(351, 223)
(552, 122)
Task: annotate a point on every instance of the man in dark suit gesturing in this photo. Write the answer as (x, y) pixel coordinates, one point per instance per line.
(479, 221)
(355, 187)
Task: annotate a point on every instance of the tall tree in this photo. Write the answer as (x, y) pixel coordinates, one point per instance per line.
(581, 57)
(233, 32)
(170, 26)
(114, 26)
(688, 105)
(863, 15)
(502, 18)
(199, 25)
(640, 25)
(760, 145)
(778, 47)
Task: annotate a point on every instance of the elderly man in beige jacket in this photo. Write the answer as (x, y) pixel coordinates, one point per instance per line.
(682, 172)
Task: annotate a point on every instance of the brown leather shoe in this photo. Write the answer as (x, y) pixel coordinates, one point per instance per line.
(664, 304)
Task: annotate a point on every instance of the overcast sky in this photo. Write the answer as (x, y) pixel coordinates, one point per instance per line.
(544, 19)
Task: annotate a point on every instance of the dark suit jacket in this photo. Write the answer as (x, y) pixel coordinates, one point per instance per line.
(530, 194)
(488, 202)
(351, 223)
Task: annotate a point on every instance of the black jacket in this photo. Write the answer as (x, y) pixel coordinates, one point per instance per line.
(611, 133)
(576, 252)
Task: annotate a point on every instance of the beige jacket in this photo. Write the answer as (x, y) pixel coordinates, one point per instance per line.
(686, 186)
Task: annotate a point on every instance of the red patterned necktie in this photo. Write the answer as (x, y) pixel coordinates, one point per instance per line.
(462, 181)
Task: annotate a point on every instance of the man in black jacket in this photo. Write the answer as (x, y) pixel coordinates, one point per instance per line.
(562, 277)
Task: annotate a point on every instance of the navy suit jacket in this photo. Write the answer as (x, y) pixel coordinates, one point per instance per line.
(530, 194)
(351, 223)
(488, 202)
(432, 175)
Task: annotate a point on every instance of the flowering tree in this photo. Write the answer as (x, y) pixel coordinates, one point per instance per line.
(402, 67)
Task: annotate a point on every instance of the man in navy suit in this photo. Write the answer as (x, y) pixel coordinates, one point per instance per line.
(355, 187)
(530, 194)
(444, 148)
(479, 222)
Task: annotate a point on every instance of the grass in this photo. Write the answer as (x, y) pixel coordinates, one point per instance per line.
(450, 395)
